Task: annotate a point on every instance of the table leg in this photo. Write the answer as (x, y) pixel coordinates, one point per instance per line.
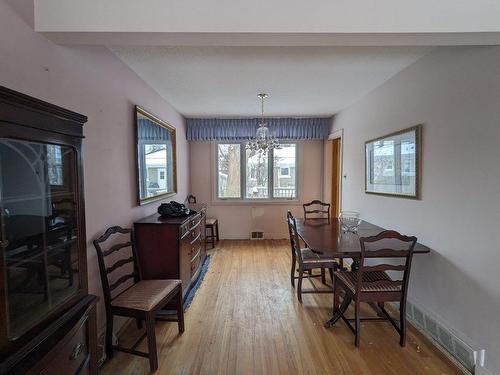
(345, 302)
(342, 309)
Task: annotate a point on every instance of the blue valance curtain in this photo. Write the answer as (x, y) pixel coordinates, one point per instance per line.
(212, 129)
(148, 130)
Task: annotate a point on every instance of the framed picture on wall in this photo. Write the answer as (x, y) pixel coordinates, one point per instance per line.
(393, 164)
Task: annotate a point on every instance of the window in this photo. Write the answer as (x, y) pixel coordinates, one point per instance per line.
(284, 162)
(270, 175)
(285, 172)
(229, 170)
(55, 167)
(257, 183)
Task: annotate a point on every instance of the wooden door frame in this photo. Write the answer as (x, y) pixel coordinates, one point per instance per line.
(339, 134)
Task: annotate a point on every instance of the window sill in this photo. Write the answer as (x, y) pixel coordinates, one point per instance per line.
(253, 203)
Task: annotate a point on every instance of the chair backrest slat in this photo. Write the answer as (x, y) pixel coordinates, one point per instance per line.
(385, 267)
(106, 270)
(112, 230)
(387, 253)
(324, 208)
(381, 249)
(116, 247)
(119, 264)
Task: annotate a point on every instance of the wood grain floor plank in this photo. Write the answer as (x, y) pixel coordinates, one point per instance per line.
(245, 319)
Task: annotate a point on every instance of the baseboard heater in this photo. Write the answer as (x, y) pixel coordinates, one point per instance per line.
(447, 341)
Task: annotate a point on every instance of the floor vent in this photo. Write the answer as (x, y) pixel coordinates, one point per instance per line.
(256, 235)
(462, 353)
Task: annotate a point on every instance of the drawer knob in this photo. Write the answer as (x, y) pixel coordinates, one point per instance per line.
(77, 350)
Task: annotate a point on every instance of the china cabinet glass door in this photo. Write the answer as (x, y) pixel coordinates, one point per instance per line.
(39, 229)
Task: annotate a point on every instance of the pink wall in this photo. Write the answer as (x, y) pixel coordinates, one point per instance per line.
(237, 220)
(91, 81)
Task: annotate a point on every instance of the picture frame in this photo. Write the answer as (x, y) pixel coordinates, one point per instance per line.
(393, 164)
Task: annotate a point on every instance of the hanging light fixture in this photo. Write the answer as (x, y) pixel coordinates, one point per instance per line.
(263, 140)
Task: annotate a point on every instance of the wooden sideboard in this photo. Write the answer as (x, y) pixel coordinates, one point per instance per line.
(171, 248)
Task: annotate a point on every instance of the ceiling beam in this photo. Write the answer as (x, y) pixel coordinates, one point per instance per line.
(272, 22)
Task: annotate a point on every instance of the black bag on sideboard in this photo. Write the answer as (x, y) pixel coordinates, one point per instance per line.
(173, 209)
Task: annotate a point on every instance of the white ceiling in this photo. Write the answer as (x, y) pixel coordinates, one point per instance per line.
(301, 81)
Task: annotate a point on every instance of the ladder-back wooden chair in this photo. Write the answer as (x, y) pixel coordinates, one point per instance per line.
(307, 260)
(211, 224)
(316, 209)
(371, 283)
(126, 294)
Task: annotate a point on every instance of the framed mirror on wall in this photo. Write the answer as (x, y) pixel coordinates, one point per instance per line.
(156, 158)
(393, 164)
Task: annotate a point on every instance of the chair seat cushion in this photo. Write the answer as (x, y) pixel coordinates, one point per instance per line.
(310, 257)
(145, 295)
(373, 281)
(210, 221)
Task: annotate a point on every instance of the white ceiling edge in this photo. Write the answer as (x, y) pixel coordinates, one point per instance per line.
(273, 39)
(275, 16)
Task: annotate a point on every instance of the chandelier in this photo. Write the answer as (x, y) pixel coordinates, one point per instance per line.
(263, 141)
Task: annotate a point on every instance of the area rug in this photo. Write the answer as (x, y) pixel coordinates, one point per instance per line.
(194, 287)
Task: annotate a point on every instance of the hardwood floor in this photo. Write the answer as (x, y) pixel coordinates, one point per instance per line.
(245, 319)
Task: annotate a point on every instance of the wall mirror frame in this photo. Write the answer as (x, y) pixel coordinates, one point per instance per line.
(156, 161)
(393, 164)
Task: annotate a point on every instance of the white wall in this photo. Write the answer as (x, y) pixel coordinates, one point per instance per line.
(455, 93)
(237, 221)
(94, 82)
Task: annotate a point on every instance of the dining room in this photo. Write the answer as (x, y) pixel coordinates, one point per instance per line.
(303, 215)
(185, 190)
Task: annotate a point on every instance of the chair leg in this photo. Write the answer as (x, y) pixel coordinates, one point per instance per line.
(357, 322)
(323, 277)
(212, 236)
(150, 329)
(299, 284)
(335, 298)
(331, 273)
(180, 312)
(217, 230)
(292, 272)
(402, 323)
(109, 336)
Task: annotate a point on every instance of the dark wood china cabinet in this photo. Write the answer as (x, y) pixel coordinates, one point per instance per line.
(47, 318)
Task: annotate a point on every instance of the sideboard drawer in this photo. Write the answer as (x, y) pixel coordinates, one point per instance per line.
(195, 264)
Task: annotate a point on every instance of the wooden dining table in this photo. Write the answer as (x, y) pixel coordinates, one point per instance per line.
(329, 239)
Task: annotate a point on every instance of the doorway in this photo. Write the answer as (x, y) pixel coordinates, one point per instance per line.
(335, 179)
(332, 174)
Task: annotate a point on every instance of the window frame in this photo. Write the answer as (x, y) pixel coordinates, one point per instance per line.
(243, 175)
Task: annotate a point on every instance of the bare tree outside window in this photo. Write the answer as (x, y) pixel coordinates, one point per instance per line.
(228, 174)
